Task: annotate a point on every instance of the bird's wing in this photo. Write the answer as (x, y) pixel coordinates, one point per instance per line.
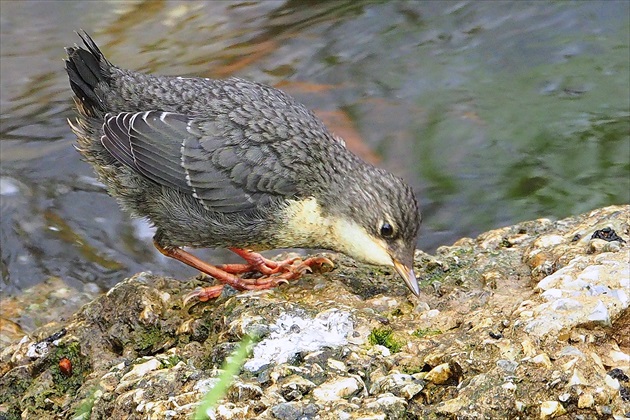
(173, 150)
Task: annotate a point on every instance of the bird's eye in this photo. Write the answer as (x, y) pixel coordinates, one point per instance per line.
(387, 230)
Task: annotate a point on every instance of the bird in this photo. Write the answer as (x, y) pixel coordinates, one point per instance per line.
(239, 165)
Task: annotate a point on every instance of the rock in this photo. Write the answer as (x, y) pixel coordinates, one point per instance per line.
(398, 384)
(452, 406)
(137, 372)
(440, 374)
(612, 382)
(586, 400)
(240, 390)
(551, 409)
(393, 407)
(230, 411)
(577, 378)
(434, 359)
(546, 241)
(524, 314)
(287, 411)
(336, 389)
(293, 333)
(543, 360)
(508, 366)
(295, 387)
(619, 357)
(336, 365)
(509, 386)
(593, 289)
(596, 246)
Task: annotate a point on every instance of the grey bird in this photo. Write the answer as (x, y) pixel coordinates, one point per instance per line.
(239, 165)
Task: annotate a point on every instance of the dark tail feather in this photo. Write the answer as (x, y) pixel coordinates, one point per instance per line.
(85, 70)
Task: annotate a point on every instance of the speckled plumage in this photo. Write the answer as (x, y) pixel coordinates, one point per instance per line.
(219, 163)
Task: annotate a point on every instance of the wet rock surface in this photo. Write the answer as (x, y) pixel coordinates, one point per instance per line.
(527, 321)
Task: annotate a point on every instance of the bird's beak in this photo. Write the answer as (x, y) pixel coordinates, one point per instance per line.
(408, 276)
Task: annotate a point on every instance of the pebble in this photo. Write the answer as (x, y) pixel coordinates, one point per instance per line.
(434, 359)
(542, 359)
(240, 391)
(619, 357)
(432, 313)
(452, 406)
(551, 409)
(383, 303)
(336, 364)
(571, 351)
(509, 386)
(528, 347)
(394, 407)
(597, 246)
(611, 382)
(601, 396)
(230, 411)
(547, 241)
(439, 374)
(139, 370)
(508, 366)
(287, 411)
(399, 384)
(205, 385)
(295, 386)
(586, 400)
(600, 314)
(336, 389)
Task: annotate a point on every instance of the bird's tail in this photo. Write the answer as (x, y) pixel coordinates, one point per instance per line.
(87, 71)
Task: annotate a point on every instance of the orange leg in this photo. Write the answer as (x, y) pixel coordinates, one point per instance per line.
(257, 263)
(260, 264)
(274, 272)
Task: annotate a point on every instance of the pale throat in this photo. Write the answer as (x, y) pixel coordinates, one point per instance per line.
(306, 226)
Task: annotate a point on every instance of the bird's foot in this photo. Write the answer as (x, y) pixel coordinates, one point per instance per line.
(256, 263)
(284, 274)
(291, 272)
(317, 264)
(203, 294)
(273, 272)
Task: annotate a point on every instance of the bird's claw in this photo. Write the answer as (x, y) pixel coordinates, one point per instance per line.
(281, 281)
(203, 294)
(316, 264)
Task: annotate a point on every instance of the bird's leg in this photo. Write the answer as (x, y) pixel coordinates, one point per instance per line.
(287, 268)
(211, 292)
(187, 258)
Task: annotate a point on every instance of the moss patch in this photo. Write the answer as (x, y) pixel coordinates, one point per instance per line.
(385, 337)
(426, 332)
(148, 340)
(64, 382)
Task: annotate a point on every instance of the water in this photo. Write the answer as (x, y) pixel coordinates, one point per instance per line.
(494, 112)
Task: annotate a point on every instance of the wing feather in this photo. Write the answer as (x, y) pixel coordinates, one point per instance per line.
(186, 154)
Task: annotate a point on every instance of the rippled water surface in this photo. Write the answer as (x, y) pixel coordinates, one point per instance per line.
(495, 112)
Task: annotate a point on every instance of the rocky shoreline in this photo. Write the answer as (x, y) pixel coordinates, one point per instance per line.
(526, 321)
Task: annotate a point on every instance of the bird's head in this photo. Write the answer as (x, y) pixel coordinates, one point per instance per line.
(375, 219)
